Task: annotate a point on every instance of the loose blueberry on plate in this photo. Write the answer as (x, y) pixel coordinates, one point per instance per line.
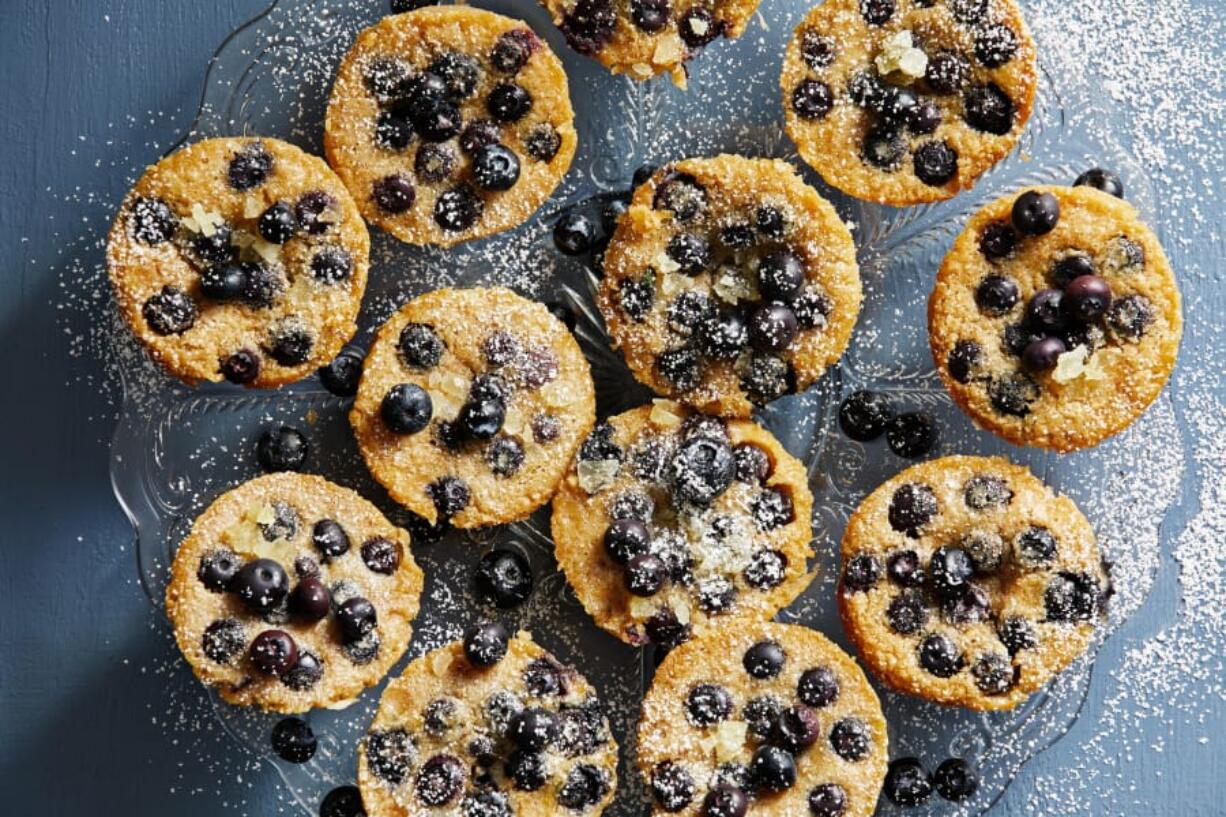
(282, 448)
(955, 780)
(1102, 179)
(911, 434)
(863, 415)
(907, 782)
(504, 578)
(574, 234)
(342, 374)
(343, 801)
(294, 740)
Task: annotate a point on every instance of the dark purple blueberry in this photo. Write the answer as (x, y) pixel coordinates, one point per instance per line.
(764, 659)
(508, 102)
(993, 674)
(242, 367)
(261, 585)
(513, 50)
(955, 780)
(585, 786)
(599, 445)
(249, 167)
(526, 770)
(636, 296)
(1072, 597)
(947, 73)
(440, 715)
(760, 715)
(997, 240)
(381, 555)
(812, 99)
(632, 505)
(574, 233)
(708, 704)
(698, 27)
(641, 174)
(1131, 316)
(224, 282)
(170, 312)
(650, 15)
(331, 265)
(394, 194)
(907, 782)
(625, 539)
(818, 50)
(772, 769)
(440, 780)
(1035, 546)
(436, 119)
(725, 801)
(738, 236)
(672, 786)
(996, 295)
(545, 677)
(862, 573)
(357, 618)
(1087, 298)
(457, 209)
(688, 310)
(406, 408)
(273, 652)
(262, 284)
(827, 800)
(282, 448)
(986, 491)
(766, 569)
(884, 148)
(401, 6)
(770, 221)
(771, 509)
(682, 194)
(716, 595)
(485, 643)
(305, 566)
(818, 687)
(386, 78)
(216, 247)
(988, 109)
(864, 415)
(950, 571)
(968, 12)
(903, 567)
(970, 606)
(690, 251)
(611, 213)
(305, 674)
(1073, 265)
(702, 469)
(796, 729)
(995, 45)
(907, 613)
(939, 656)
(313, 212)
(589, 25)
(1017, 336)
(1017, 634)
(1012, 395)
(481, 419)
(963, 359)
(772, 327)
(986, 549)
(911, 507)
(293, 740)
(290, 344)
(277, 224)
(722, 335)
(310, 599)
(389, 754)
(781, 275)
(459, 72)
(753, 463)
(434, 163)
(911, 434)
(680, 367)
(1102, 179)
(533, 729)
(505, 456)
(1042, 354)
(1035, 213)
(876, 12)
(924, 119)
(217, 569)
(153, 223)
(896, 105)
(330, 539)
(543, 142)
(936, 163)
(495, 167)
(343, 801)
(223, 639)
(645, 574)
(477, 134)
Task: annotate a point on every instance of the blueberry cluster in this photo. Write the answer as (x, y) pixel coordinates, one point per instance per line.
(866, 415)
(904, 118)
(542, 729)
(228, 276)
(1078, 309)
(950, 587)
(263, 588)
(426, 108)
(590, 25)
(908, 783)
(783, 724)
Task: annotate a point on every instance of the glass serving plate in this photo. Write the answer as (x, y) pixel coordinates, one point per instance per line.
(175, 449)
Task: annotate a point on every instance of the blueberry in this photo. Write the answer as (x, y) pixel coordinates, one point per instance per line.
(457, 209)
(950, 571)
(680, 367)
(818, 50)
(796, 729)
(599, 445)
(330, 539)
(153, 222)
(896, 105)
(827, 800)
(766, 569)
(342, 374)
(1073, 265)
(702, 468)
(406, 408)
(389, 754)
(1131, 316)
(215, 248)
(883, 148)
(924, 119)
(753, 464)
(1086, 298)
(504, 578)
(939, 656)
(543, 142)
(310, 599)
(725, 801)
(708, 704)
(574, 234)
(261, 585)
(936, 163)
(495, 167)
(1035, 213)
(400, 6)
(672, 786)
(526, 770)
(689, 310)
(277, 224)
(818, 687)
(1102, 179)
(217, 569)
(241, 367)
(305, 674)
(312, 211)
(645, 574)
(903, 567)
(770, 221)
(459, 72)
(1012, 395)
(690, 251)
(781, 275)
(996, 295)
(249, 167)
(481, 419)
(485, 643)
(357, 618)
(986, 549)
(812, 99)
(907, 782)
(997, 240)
(970, 606)
(862, 573)
(993, 674)
(273, 652)
(876, 12)
(223, 639)
(533, 729)
(509, 102)
(611, 212)
(969, 12)
(1072, 597)
(394, 194)
(698, 27)
(963, 359)
(988, 109)
(947, 72)
(716, 595)
(955, 780)
(641, 174)
(435, 163)
(513, 50)
(771, 509)
(625, 539)
(764, 659)
(760, 715)
(772, 327)
(223, 282)
(772, 769)
(650, 15)
(912, 506)
(907, 613)
(584, 787)
(864, 415)
(911, 434)
(544, 677)
(440, 780)
(343, 801)
(294, 740)
(436, 119)
(282, 448)
(381, 555)
(682, 194)
(589, 25)
(171, 311)
(995, 45)
(290, 344)
(722, 335)
(331, 265)
(261, 286)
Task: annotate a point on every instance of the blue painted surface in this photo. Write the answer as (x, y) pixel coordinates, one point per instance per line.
(91, 91)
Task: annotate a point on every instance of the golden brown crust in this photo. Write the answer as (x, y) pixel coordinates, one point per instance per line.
(232, 522)
(734, 187)
(196, 177)
(464, 319)
(832, 144)
(1015, 590)
(446, 673)
(667, 732)
(416, 38)
(580, 520)
(1085, 410)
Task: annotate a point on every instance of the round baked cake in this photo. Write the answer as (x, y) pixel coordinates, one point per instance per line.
(643, 38)
(242, 259)
(908, 101)
(673, 522)
(967, 581)
(471, 405)
(764, 720)
(1055, 319)
(449, 123)
(729, 282)
(291, 592)
(488, 727)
